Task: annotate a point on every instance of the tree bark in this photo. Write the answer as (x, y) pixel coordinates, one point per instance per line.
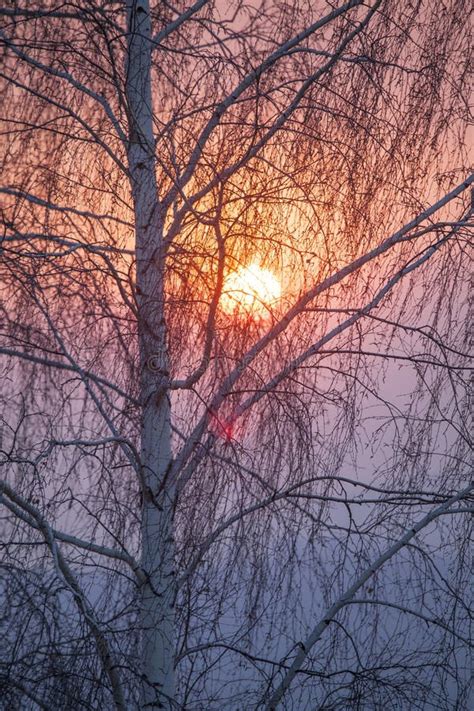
(158, 590)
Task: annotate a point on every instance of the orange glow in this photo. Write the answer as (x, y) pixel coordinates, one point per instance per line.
(251, 290)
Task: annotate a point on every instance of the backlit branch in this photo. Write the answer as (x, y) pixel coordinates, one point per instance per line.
(402, 235)
(348, 323)
(251, 77)
(175, 24)
(306, 646)
(61, 208)
(67, 76)
(278, 124)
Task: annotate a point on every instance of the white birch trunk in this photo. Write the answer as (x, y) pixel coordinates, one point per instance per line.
(157, 593)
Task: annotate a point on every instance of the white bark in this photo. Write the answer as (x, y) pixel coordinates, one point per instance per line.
(250, 79)
(156, 616)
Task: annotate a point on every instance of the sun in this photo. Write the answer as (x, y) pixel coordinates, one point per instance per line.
(250, 290)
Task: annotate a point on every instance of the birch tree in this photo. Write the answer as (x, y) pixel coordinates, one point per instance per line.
(235, 442)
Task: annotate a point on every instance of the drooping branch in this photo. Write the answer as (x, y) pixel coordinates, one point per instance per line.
(71, 245)
(177, 22)
(19, 507)
(349, 322)
(61, 208)
(402, 235)
(61, 365)
(67, 76)
(248, 80)
(294, 492)
(278, 124)
(64, 571)
(306, 646)
(211, 318)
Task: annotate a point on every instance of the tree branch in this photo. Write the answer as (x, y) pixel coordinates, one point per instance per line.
(64, 571)
(317, 632)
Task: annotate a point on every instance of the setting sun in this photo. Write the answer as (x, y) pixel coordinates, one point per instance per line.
(251, 289)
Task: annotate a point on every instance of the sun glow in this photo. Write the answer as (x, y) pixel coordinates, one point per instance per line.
(251, 290)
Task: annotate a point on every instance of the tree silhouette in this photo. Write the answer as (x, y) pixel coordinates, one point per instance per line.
(213, 500)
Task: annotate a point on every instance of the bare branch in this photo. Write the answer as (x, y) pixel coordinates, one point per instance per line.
(347, 597)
